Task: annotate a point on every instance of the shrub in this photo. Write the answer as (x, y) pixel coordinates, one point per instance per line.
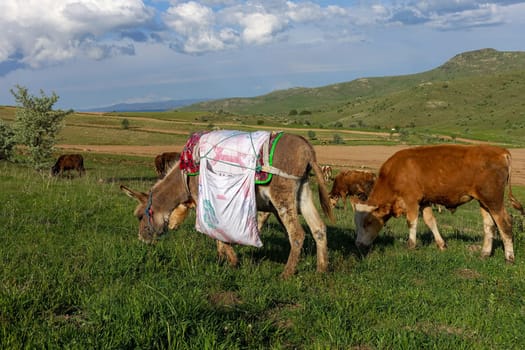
(338, 140)
(7, 141)
(37, 124)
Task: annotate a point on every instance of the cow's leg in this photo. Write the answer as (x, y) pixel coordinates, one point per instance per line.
(489, 229)
(343, 198)
(430, 221)
(503, 221)
(316, 225)
(225, 251)
(262, 217)
(412, 227)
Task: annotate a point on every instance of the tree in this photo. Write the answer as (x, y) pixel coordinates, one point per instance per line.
(7, 141)
(311, 135)
(337, 139)
(37, 124)
(125, 124)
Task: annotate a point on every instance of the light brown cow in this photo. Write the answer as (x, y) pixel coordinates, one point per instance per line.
(164, 161)
(351, 183)
(287, 195)
(327, 173)
(451, 175)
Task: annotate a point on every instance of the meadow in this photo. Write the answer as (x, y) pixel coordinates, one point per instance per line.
(74, 275)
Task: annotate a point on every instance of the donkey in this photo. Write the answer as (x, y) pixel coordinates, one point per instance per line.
(168, 201)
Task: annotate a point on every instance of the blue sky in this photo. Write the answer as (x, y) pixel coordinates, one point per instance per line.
(96, 53)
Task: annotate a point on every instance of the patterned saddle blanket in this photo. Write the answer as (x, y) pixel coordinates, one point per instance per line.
(189, 158)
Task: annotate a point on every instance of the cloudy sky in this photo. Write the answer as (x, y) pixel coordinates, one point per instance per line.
(96, 53)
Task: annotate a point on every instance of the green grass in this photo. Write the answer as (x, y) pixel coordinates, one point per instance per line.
(74, 275)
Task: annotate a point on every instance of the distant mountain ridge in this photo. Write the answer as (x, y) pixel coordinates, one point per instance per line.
(156, 106)
(476, 63)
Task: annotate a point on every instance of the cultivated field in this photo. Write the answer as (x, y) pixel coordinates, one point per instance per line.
(74, 275)
(340, 157)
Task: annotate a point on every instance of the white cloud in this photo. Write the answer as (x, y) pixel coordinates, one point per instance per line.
(260, 28)
(45, 32)
(305, 12)
(195, 26)
(485, 15)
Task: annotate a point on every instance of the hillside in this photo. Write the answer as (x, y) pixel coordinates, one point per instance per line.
(475, 94)
(474, 64)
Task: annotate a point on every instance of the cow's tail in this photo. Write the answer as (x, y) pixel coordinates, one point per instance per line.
(513, 201)
(323, 192)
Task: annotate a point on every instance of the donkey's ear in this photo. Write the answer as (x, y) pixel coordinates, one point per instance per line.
(139, 196)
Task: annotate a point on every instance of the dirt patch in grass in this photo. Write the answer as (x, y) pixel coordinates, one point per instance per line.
(354, 157)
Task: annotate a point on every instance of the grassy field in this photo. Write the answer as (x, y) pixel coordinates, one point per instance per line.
(73, 275)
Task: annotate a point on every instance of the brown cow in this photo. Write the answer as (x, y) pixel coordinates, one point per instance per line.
(351, 183)
(67, 162)
(451, 175)
(164, 161)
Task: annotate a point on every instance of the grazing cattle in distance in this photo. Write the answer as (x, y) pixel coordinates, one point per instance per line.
(164, 161)
(286, 195)
(450, 175)
(351, 183)
(67, 162)
(327, 173)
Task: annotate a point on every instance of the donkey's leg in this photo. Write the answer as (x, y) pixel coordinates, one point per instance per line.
(226, 252)
(287, 210)
(430, 220)
(262, 217)
(316, 225)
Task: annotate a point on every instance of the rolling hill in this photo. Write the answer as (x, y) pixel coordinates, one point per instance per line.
(473, 94)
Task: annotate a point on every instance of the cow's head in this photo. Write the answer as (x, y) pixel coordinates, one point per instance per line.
(333, 200)
(55, 169)
(368, 222)
(155, 215)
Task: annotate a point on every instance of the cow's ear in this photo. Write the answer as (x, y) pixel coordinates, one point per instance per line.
(399, 208)
(139, 196)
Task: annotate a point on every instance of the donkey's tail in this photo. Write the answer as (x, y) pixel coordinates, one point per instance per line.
(323, 192)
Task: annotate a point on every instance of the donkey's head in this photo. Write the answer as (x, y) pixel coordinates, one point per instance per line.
(165, 205)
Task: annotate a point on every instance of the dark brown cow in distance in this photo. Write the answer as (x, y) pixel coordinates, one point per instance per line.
(164, 161)
(67, 162)
(351, 183)
(450, 175)
(287, 195)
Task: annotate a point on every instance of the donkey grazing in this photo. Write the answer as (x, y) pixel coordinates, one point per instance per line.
(168, 202)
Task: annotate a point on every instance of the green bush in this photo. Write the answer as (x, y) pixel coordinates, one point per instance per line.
(37, 124)
(7, 141)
